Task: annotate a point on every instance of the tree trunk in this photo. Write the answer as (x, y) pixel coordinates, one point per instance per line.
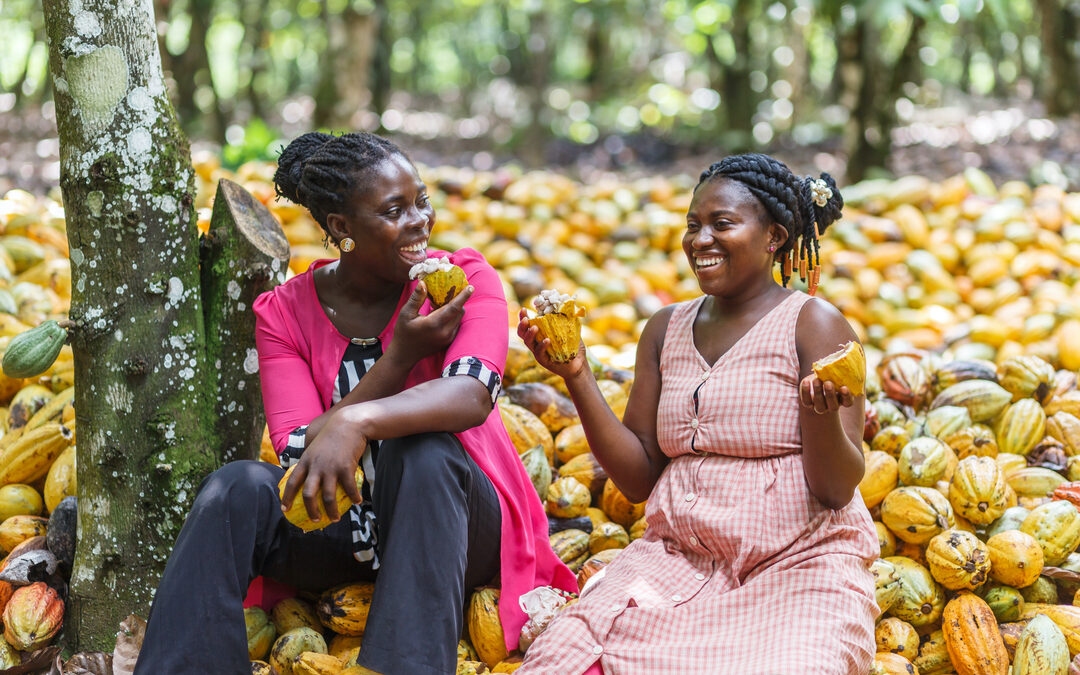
(1060, 69)
(739, 99)
(539, 57)
(147, 403)
(381, 80)
(193, 70)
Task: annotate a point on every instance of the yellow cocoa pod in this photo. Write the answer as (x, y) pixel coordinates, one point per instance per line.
(18, 529)
(620, 509)
(1015, 558)
(344, 609)
(958, 560)
(526, 430)
(260, 633)
(570, 443)
(19, 499)
(291, 645)
(1021, 427)
(342, 646)
(1064, 427)
(1056, 527)
(920, 599)
(314, 663)
(844, 368)
(443, 285)
(568, 498)
(1067, 618)
(978, 491)
(297, 513)
(933, 655)
(897, 637)
(886, 663)
(485, 629)
(28, 459)
(61, 479)
(977, 440)
(879, 479)
(916, 514)
(293, 613)
(608, 535)
(972, 637)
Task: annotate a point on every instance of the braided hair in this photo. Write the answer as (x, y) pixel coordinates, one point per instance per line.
(802, 206)
(321, 171)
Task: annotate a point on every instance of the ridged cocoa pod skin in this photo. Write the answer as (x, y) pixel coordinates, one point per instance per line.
(1027, 376)
(886, 663)
(485, 629)
(905, 380)
(897, 637)
(344, 609)
(954, 372)
(844, 368)
(916, 514)
(921, 599)
(260, 633)
(1041, 650)
(933, 655)
(978, 491)
(33, 616)
(1021, 427)
(1067, 618)
(983, 399)
(1056, 526)
(958, 560)
(972, 638)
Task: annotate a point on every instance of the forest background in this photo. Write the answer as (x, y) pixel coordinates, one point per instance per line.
(855, 88)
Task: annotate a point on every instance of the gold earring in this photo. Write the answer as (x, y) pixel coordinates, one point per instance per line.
(347, 244)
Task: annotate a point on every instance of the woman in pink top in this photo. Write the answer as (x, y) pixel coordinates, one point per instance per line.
(356, 368)
(756, 555)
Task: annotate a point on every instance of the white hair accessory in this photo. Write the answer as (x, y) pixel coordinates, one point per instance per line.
(821, 192)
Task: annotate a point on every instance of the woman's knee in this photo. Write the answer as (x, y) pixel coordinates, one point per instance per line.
(420, 458)
(239, 482)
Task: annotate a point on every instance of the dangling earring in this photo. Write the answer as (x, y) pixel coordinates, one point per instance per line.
(346, 245)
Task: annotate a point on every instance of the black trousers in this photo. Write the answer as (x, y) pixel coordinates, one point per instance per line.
(438, 520)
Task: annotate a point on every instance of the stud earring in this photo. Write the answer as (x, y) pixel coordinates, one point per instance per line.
(346, 245)
(772, 249)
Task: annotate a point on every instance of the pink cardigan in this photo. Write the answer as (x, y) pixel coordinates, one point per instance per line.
(300, 353)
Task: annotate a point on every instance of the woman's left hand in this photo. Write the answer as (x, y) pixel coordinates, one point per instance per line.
(823, 397)
(329, 461)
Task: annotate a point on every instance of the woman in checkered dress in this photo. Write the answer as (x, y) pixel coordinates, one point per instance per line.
(756, 555)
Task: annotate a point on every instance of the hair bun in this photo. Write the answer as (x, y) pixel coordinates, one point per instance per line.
(823, 199)
(291, 164)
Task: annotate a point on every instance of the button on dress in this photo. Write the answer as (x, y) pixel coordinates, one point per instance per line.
(741, 569)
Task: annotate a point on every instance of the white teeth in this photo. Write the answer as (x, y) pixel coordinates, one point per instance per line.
(707, 262)
(422, 246)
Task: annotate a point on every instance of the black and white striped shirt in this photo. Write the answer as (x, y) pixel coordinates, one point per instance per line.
(355, 363)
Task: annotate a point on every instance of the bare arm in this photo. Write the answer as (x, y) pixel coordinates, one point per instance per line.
(831, 421)
(415, 337)
(628, 450)
(449, 404)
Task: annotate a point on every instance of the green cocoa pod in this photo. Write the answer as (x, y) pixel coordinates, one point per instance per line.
(33, 352)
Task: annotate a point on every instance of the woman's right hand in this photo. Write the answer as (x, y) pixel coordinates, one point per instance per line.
(539, 347)
(418, 336)
(328, 461)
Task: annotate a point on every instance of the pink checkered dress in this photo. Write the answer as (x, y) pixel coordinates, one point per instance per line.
(741, 569)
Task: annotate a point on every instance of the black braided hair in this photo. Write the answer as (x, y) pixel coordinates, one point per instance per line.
(790, 201)
(321, 171)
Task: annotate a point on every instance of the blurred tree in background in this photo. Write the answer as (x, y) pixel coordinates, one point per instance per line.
(549, 80)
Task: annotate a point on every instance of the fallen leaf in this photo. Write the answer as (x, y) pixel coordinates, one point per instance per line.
(89, 663)
(129, 641)
(34, 662)
(1060, 574)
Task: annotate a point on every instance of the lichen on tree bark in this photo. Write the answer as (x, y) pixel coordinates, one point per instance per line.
(146, 402)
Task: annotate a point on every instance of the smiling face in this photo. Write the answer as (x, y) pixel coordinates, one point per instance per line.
(727, 240)
(389, 218)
